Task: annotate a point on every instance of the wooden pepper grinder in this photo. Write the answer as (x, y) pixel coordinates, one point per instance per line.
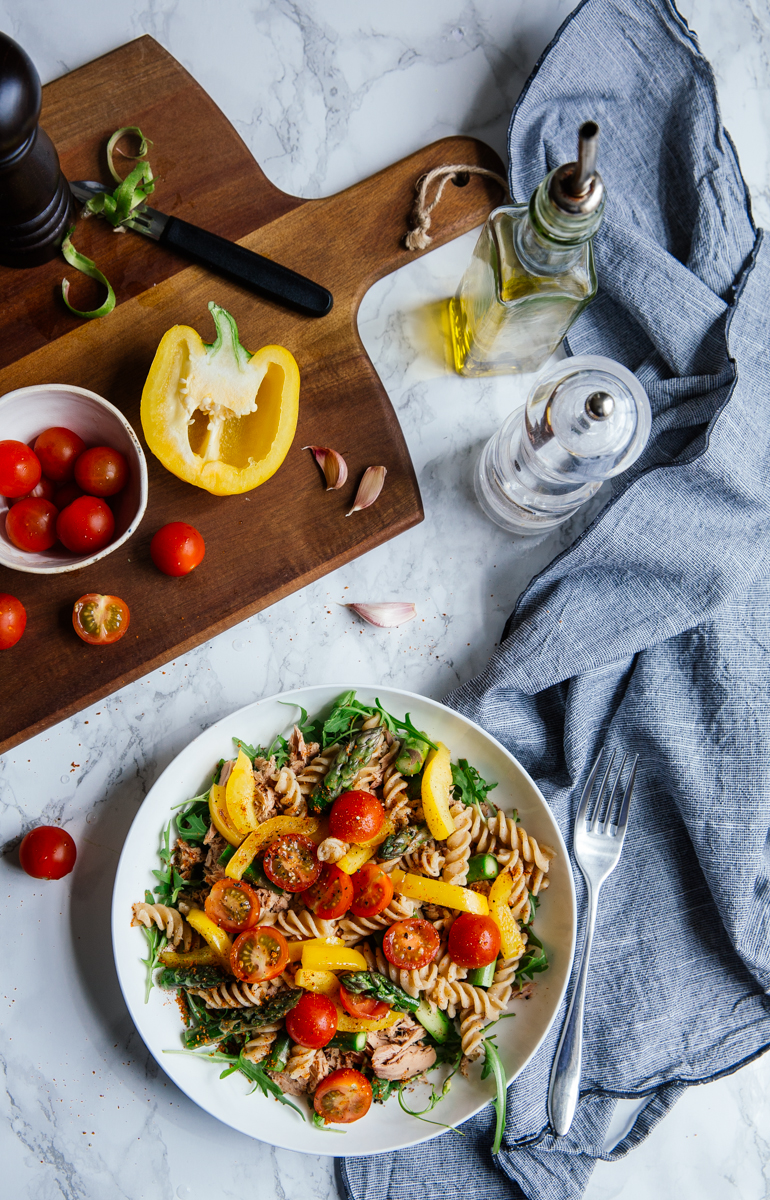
(36, 205)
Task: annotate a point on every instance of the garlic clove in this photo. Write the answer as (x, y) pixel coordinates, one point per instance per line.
(332, 464)
(385, 614)
(369, 488)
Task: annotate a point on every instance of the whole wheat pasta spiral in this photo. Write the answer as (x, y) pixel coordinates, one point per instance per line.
(235, 994)
(426, 860)
(301, 1060)
(413, 982)
(289, 793)
(168, 920)
(509, 836)
(395, 798)
(353, 929)
(314, 771)
(299, 926)
(519, 897)
(332, 849)
(453, 997)
(502, 985)
(447, 968)
(260, 1045)
(458, 846)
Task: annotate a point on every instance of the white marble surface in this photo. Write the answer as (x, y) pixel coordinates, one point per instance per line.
(324, 92)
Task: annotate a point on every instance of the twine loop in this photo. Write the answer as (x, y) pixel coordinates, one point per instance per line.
(418, 237)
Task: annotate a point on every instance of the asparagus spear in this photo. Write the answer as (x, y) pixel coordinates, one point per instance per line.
(217, 1026)
(194, 975)
(404, 840)
(412, 754)
(355, 753)
(371, 983)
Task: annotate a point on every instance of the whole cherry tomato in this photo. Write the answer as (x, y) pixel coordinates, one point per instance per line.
(45, 490)
(31, 524)
(258, 954)
(362, 1006)
(233, 905)
(101, 471)
(47, 852)
(20, 469)
(343, 1096)
(373, 891)
(58, 448)
(100, 620)
(64, 496)
(331, 895)
(474, 941)
(13, 620)
(313, 1022)
(85, 526)
(411, 944)
(291, 862)
(177, 548)
(356, 817)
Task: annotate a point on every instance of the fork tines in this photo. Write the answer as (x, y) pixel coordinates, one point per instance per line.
(609, 808)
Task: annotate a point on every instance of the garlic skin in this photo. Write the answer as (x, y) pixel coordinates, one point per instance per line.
(386, 614)
(369, 488)
(332, 464)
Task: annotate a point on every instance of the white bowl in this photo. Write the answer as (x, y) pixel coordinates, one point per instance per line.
(24, 414)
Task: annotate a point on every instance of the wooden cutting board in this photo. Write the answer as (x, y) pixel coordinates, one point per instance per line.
(290, 531)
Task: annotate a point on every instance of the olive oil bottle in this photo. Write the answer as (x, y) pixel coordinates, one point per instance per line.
(532, 271)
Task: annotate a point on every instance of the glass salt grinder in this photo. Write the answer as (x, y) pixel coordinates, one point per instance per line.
(585, 420)
(532, 271)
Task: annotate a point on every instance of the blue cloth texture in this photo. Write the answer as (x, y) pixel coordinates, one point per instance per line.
(651, 634)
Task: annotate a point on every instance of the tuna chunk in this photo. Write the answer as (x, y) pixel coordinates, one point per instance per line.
(399, 1052)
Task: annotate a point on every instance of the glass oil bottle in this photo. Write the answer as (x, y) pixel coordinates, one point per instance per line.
(532, 271)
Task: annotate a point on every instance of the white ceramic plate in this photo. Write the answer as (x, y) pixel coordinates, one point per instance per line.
(385, 1127)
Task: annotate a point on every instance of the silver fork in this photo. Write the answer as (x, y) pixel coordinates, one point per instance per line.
(599, 834)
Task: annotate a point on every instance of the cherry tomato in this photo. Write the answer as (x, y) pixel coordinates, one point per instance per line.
(101, 471)
(20, 469)
(31, 525)
(331, 894)
(177, 548)
(313, 1021)
(474, 941)
(356, 817)
(343, 1096)
(291, 862)
(362, 1006)
(100, 620)
(58, 448)
(258, 954)
(411, 944)
(47, 852)
(85, 526)
(64, 496)
(373, 891)
(45, 490)
(13, 620)
(233, 905)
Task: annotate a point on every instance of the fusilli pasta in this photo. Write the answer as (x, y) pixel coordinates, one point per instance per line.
(168, 920)
(458, 846)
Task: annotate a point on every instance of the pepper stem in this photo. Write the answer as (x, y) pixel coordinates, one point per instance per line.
(226, 342)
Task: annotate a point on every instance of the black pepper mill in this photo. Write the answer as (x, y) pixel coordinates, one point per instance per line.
(36, 206)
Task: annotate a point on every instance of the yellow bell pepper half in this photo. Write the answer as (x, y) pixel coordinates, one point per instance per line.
(511, 941)
(267, 832)
(215, 415)
(435, 891)
(436, 793)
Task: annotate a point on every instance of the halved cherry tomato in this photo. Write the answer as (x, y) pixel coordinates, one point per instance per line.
(47, 852)
(258, 954)
(362, 1006)
(45, 490)
(58, 448)
(86, 525)
(313, 1021)
(20, 469)
(101, 471)
(474, 941)
(411, 944)
(13, 620)
(343, 1096)
(291, 862)
(331, 895)
(373, 891)
(233, 905)
(100, 620)
(177, 548)
(356, 817)
(31, 524)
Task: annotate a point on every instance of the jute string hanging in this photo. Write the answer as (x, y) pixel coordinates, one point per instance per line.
(418, 237)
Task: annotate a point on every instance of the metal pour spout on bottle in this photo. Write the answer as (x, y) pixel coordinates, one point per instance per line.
(532, 271)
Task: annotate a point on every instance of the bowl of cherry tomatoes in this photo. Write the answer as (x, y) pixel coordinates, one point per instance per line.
(73, 479)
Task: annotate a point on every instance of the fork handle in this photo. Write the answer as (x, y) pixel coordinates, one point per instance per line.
(565, 1075)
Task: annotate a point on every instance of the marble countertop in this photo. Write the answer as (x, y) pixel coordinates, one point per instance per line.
(325, 93)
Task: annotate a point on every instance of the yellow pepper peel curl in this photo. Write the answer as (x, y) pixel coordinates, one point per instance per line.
(214, 414)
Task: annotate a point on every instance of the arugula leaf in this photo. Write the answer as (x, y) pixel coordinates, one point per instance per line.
(253, 1072)
(342, 718)
(381, 1089)
(251, 752)
(192, 823)
(534, 904)
(468, 784)
(396, 725)
(319, 1123)
(493, 1064)
(434, 1100)
(156, 942)
(534, 960)
(310, 730)
(170, 882)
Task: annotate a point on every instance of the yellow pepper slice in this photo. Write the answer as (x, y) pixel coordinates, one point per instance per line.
(348, 1024)
(215, 415)
(239, 796)
(325, 982)
(210, 932)
(219, 816)
(267, 832)
(361, 852)
(296, 948)
(319, 956)
(435, 891)
(203, 956)
(511, 941)
(436, 793)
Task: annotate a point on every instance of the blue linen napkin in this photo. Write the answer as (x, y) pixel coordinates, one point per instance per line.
(652, 633)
